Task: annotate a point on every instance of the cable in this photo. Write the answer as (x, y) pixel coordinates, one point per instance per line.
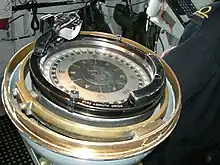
(26, 1)
(15, 18)
(128, 2)
(35, 25)
(85, 13)
(161, 42)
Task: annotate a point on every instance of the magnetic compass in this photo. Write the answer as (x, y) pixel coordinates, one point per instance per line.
(97, 76)
(89, 97)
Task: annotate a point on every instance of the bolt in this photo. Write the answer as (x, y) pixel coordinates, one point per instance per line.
(118, 37)
(34, 94)
(15, 92)
(44, 161)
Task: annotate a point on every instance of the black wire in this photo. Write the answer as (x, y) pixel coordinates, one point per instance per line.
(91, 13)
(15, 18)
(161, 42)
(35, 25)
(23, 2)
(85, 14)
(128, 4)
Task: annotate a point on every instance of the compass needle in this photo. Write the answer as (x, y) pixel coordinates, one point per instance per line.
(72, 72)
(116, 69)
(77, 79)
(120, 82)
(100, 89)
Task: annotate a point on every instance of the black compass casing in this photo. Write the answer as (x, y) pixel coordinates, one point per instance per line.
(139, 102)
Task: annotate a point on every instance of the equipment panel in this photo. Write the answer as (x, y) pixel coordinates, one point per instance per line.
(183, 9)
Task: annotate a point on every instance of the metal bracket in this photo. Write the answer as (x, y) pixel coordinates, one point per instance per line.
(66, 26)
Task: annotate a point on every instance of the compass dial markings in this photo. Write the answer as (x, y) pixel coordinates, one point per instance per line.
(99, 71)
